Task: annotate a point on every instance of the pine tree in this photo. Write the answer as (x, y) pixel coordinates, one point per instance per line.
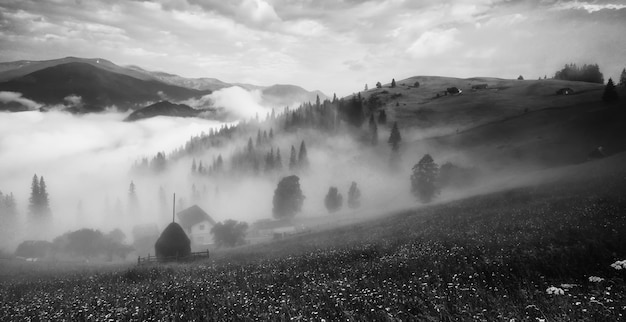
(200, 168)
(354, 196)
(133, 202)
(44, 202)
(395, 138)
(303, 159)
(33, 205)
(610, 94)
(250, 145)
(293, 161)
(271, 133)
(278, 162)
(423, 180)
(382, 117)
(373, 131)
(365, 87)
(317, 101)
(193, 166)
(393, 83)
(622, 78)
(258, 138)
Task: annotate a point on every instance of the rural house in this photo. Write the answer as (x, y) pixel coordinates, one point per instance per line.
(197, 224)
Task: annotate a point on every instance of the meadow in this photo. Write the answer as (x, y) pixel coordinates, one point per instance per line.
(545, 252)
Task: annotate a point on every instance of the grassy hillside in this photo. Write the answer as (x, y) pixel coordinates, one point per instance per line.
(522, 254)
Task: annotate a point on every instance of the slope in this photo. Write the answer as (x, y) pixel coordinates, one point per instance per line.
(97, 87)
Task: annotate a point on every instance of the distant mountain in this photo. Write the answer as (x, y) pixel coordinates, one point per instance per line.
(97, 87)
(202, 84)
(163, 108)
(82, 85)
(280, 95)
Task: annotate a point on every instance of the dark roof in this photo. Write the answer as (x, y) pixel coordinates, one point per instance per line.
(193, 215)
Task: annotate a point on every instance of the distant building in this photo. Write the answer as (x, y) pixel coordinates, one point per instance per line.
(565, 91)
(197, 224)
(453, 90)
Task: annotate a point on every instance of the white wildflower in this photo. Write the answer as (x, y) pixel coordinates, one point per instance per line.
(619, 264)
(595, 279)
(555, 290)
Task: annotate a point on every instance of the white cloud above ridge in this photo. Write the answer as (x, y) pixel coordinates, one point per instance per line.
(303, 43)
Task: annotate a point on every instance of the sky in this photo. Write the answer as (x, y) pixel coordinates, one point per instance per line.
(336, 46)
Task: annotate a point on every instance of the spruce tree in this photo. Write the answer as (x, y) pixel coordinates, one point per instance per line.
(250, 145)
(393, 82)
(133, 202)
(354, 196)
(373, 131)
(258, 138)
(278, 162)
(293, 162)
(194, 167)
(44, 202)
(622, 78)
(424, 179)
(395, 138)
(33, 201)
(382, 117)
(610, 94)
(303, 159)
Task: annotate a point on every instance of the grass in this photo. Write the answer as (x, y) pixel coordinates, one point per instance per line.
(491, 257)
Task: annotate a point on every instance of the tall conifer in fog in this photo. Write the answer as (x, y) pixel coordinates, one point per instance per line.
(293, 162)
(424, 179)
(610, 94)
(303, 159)
(133, 201)
(278, 162)
(33, 201)
(354, 196)
(44, 201)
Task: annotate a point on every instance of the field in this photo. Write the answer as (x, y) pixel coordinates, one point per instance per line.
(541, 252)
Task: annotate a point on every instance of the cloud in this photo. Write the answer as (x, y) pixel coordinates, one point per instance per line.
(239, 102)
(589, 7)
(8, 97)
(432, 43)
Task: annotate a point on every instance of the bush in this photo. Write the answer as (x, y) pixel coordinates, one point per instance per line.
(333, 200)
(230, 233)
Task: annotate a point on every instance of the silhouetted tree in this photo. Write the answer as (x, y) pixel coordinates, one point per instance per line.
(230, 233)
(393, 82)
(382, 117)
(293, 162)
(278, 161)
(34, 203)
(303, 159)
(250, 145)
(288, 198)
(194, 167)
(610, 94)
(622, 78)
(586, 73)
(416, 84)
(394, 137)
(373, 131)
(354, 196)
(424, 179)
(133, 201)
(379, 85)
(520, 77)
(333, 200)
(365, 89)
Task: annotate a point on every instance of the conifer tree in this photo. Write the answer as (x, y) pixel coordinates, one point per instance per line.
(373, 130)
(395, 138)
(250, 145)
(278, 162)
(622, 78)
(271, 135)
(293, 162)
(258, 138)
(382, 117)
(393, 82)
(354, 196)
(33, 205)
(194, 166)
(365, 87)
(44, 202)
(133, 202)
(303, 159)
(610, 94)
(200, 167)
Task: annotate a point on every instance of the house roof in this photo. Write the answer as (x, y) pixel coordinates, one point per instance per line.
(193, 215)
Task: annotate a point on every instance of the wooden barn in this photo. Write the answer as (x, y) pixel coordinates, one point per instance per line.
(197, 224)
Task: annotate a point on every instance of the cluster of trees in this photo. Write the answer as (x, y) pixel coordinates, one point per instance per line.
(8, 207)
(427, 178)
(334, 200)
(254, 159)
(585, 73)
(80, 244)
(39, 202)
(610, 93)
(157, 165)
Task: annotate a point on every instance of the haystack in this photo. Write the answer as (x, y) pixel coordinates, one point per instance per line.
(173, 242)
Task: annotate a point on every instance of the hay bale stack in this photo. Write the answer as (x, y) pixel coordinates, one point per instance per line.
(173, 242)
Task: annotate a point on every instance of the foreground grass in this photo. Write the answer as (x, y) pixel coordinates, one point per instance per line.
(486, 258)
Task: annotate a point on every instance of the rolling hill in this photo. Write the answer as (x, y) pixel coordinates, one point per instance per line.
(163, 108)
(97, 87)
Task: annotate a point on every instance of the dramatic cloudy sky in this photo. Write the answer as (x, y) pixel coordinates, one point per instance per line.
(331, 45)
